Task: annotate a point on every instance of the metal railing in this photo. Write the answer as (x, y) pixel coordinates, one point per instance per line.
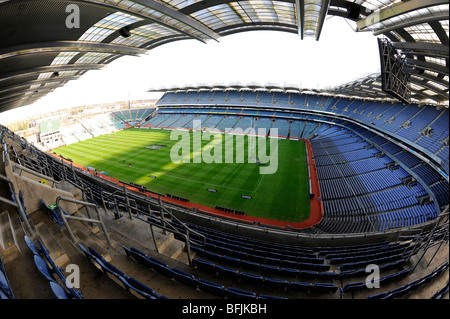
(164, 225)
(65, 217)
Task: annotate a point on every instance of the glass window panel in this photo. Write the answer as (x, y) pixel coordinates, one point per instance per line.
(92, 58)
(44, 76)
(102, 29)
(64, 58)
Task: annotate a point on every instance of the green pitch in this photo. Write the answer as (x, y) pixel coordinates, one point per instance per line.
(283, 195)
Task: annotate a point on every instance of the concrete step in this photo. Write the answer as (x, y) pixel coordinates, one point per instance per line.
(136, 233)
(175, 249)
(10, 250)
(56, 252)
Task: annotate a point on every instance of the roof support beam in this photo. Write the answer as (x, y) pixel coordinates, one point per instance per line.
(422, 48)
(406, 24)
(395, 10)
(322, 17)
(19, 100)
(177, 15)
(166, 11)
(427, 66)
(300, 5)
(51, 68)
(36, 90)
(76, 46)
(36, 82)
(441, 93)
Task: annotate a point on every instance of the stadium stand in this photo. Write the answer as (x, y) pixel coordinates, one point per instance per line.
(382, 164)
(223, 265)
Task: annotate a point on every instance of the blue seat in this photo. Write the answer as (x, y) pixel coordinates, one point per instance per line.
(163, 269)
(232, 261)
(236, 293)
(227, 272)
(211, 287)
(58, 291)
(330, 275)
(213, 256)
(204, 265)
(269, 269)
(256, 258)
(264, 296)
(132, 285)
(3, 295)
(352, 273)
(276, 283)
(308, 274)
(93, 259)
(48, 268)
(247, 277)
(184, 277)
(377, 296)
(397, 292)
(43, 268)
(138, 256)
(250, 265)
(300, 286)
(5, 288)
(272, 261)
(320, 267)
(289, 263)
(32, 246)
(323, 287)
(291, 272)
(139, 289)
(354, 286)
(54, 212)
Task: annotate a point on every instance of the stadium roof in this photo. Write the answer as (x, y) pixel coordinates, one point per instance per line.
(46, 43)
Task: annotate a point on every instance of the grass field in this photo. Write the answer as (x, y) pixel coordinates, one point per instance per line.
(283, 195)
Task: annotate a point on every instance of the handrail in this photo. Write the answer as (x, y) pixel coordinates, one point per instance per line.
(23, 168)
(55, 182)
(64, 217)
(16, 204)
(165, 210)
(164, 226)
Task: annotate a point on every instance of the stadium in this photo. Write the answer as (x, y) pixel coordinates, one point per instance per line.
(229, 191)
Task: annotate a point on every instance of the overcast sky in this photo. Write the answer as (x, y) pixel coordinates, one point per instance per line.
(341, 55)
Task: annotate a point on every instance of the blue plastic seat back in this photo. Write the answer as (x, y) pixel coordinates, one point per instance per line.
(3, 295)
(53, 212)
(227, 272)
(4, 284)
(85, 252)
(239, 293)
(253, 278)
(300, 286)
(211, 287)
(323, 287)
(96, 254)
(147, 291)
(31, 246)
(264, 296)
(184, 277)
(113, 269)
(275, 282)
(58, 291)
(43, 268)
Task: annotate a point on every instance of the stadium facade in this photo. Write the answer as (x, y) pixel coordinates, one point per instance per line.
(380, 149)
